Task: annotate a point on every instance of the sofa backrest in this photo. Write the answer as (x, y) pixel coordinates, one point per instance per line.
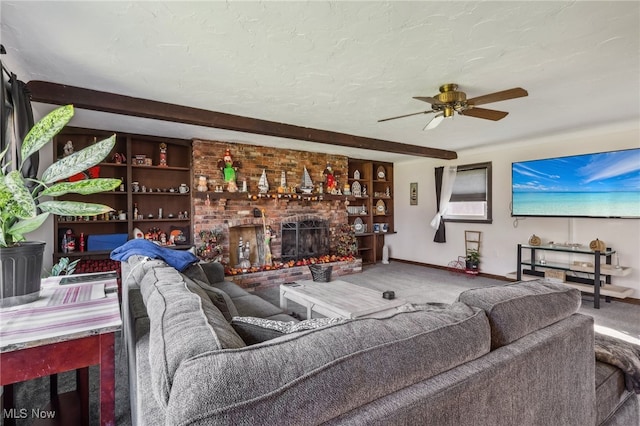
(183, 323)
(317, 375)
(517, 309)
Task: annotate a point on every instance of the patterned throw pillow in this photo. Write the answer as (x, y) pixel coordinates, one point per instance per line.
(255, 330)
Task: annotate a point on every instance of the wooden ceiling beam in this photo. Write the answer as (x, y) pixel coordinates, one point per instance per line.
(60, 94)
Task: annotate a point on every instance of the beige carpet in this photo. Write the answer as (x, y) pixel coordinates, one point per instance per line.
(419, 284)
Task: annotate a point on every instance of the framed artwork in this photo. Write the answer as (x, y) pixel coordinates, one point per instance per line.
(413, 194)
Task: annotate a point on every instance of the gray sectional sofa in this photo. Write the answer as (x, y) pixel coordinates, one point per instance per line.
(509, 355)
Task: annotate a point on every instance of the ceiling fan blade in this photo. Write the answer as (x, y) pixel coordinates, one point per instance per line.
(487, 114)
(406, 115)
(427, 99)
(517, 92)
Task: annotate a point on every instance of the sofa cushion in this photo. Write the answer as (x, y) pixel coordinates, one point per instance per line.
(517, 309)
(195, 272)
(213, 270)
(255, 306)
(257, 330)
(320, 374)
(184, 323)
(232, 289)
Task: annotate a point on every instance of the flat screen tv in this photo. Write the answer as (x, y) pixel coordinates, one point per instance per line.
(601, 185)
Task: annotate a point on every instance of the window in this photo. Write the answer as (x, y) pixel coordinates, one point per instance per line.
(471, 196)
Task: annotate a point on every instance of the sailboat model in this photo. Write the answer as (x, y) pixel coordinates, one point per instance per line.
(263, 184)
(307, 183)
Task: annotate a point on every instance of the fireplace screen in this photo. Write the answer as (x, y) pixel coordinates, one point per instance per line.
(303, 239)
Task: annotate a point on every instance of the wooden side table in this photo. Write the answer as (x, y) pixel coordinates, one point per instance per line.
(70, 327)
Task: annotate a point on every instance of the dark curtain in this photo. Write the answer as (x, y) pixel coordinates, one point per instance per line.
(440, 236)
(16, 117)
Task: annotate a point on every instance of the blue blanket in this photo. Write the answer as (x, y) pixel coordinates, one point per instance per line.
(179, 259)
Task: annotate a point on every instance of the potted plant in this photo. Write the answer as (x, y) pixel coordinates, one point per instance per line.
(473, 260)
(24, 208)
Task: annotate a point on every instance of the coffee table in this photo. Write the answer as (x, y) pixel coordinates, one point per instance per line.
(337, 299)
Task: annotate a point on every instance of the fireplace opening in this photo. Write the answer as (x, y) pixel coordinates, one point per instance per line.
(304, 239)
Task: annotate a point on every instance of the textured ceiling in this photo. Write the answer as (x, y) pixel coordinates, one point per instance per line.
(340, 66)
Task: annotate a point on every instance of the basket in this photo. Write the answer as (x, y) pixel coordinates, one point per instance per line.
(321, 274)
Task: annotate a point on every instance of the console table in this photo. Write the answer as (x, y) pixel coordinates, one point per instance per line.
(591, 266)
(70, 327)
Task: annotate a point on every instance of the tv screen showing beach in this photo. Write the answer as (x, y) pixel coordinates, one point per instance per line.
(605, 184)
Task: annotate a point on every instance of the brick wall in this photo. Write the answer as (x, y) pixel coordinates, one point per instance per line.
(220, 214)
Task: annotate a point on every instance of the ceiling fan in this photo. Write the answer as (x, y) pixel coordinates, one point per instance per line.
(450, 101)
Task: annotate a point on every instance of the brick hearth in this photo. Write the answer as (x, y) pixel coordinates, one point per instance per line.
(273, 278)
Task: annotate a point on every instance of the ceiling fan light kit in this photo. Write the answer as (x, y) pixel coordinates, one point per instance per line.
(434, 122)
(450, 100)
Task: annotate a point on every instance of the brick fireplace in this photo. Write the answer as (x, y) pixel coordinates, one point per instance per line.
(239, 215)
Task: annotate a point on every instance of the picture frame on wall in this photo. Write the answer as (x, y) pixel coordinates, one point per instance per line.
(413, 194)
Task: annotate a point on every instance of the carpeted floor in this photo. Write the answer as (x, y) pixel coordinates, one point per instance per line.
(413, 283)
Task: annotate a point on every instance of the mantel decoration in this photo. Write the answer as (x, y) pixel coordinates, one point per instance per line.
(23, 209)
(330, 179)
(268, 235)
(263, 183)
(211, 245)
(229, 167)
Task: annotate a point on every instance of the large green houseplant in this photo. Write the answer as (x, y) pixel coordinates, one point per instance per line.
(25, 206)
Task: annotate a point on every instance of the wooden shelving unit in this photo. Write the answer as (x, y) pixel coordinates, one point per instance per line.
(374, 208)
(157, 180)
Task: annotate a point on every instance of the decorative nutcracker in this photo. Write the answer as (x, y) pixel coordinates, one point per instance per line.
(163, 155)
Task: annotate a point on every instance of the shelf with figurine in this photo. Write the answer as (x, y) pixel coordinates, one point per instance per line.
(156, 175)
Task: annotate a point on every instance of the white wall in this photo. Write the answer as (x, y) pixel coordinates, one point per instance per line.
(414, 238)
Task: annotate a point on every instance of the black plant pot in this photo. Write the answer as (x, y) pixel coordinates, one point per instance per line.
(20, 269)
(472, 266)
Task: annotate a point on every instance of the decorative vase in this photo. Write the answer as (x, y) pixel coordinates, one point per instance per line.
(20, 269)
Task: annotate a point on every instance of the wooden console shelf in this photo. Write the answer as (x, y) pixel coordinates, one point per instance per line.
(591, 264)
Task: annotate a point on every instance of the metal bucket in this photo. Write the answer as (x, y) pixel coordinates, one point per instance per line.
(20, 270)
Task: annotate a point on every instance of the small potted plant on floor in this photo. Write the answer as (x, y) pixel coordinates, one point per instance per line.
(24, 206)
(473, 260)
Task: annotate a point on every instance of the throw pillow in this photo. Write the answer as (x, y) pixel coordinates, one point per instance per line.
(219, 298)
(430, 306)
(256, 330)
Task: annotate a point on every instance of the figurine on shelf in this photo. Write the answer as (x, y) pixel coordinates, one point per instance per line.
(67, 149)
(163, 155)
(229, 167)
(283, 183)
(330, 179)
(263, 183)
(307, 183)
(202, 184)
(268, 234)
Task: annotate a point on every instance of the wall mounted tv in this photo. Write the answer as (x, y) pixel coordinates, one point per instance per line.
(601, 185)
